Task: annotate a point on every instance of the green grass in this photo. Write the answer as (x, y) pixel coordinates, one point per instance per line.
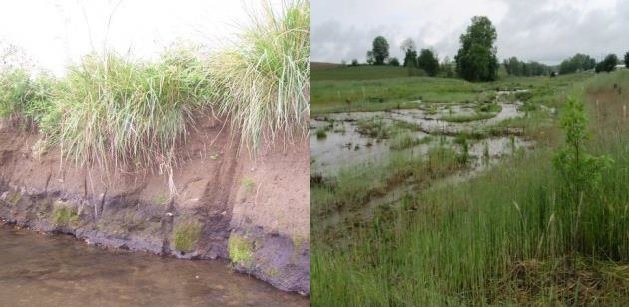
(406, 140)
(371, 95)
(186, 234)
(240, 250)
(366, 91)
(249, 184)
(262, 83)
(353, 187)
(363, 72)
(15, 92)
(22, 97)
(64, 215)
(374, 127)
(111, 111)
(463, 118)
(505, 237)
(161, 199)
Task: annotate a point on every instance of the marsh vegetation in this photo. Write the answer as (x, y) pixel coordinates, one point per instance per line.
(443, 191)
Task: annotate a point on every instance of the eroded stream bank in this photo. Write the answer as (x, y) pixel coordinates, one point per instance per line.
(227, 205)
(45, 270)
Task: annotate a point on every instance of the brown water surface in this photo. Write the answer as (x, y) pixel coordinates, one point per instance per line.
(58, 270)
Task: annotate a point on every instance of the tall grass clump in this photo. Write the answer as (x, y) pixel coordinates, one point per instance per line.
(262, 83)
(112, 111)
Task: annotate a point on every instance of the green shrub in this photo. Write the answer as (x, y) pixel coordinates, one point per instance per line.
(22, 97)
(580, 170)
(14, 92)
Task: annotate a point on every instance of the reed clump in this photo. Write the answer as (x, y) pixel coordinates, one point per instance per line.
(262, 82)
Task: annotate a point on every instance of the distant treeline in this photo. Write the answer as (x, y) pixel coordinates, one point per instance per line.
(476, 58)
(516, 67)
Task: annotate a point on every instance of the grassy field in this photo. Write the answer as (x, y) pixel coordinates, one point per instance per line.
(363, 72)
(373, 88)
(517, 234)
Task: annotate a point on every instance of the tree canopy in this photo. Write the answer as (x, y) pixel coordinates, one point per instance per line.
(515, 67)
(578, 62)
(380, 50)
(608, 64)
(476, 59)
(370, 58)
(410, 53)
(428, 62)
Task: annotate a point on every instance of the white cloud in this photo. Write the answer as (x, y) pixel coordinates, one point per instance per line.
(540, 30)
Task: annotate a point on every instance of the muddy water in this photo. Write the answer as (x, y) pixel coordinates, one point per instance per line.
(45, 270)
(344, 146)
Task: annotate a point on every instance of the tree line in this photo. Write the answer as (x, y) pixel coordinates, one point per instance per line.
(476, 58)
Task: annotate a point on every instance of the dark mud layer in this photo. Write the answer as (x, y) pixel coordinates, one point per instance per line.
(43, 270)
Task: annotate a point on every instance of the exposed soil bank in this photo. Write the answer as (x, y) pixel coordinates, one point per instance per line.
(227, 205)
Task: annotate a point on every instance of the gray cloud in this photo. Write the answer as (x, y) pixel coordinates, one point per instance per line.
(536, 30)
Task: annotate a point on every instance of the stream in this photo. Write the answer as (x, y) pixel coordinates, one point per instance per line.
(58, 270)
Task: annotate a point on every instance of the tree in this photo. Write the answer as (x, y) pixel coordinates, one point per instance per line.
(515, 67)
(354, 62)
(446, 68)
(476, 59)
(380, 50)
(408, 44)
(428, 62)
(394, 61)
(608, 64)
(410, 53)
(627, 59)
(370, 58)
(410, 59)
(580, 171)
(578, 62)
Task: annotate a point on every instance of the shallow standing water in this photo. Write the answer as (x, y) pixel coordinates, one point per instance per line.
(345, 146)
(58, 270)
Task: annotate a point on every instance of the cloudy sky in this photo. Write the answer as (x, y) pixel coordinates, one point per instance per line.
(538, 30)
(56, 33)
